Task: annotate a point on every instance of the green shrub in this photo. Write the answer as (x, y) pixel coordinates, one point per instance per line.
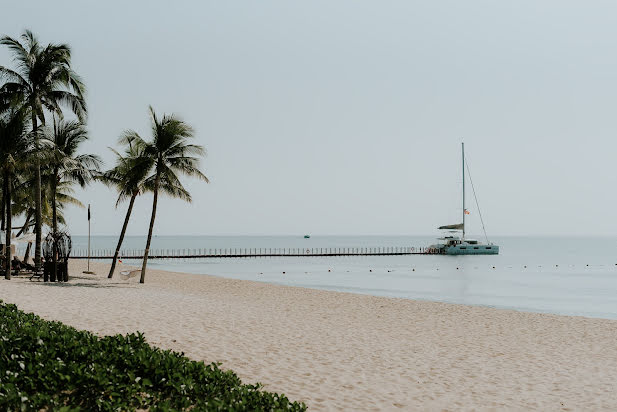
(48, 365)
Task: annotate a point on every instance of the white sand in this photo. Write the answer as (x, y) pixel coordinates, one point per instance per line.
(345, 351)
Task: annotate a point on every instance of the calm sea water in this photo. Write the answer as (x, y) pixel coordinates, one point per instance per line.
(572, 276)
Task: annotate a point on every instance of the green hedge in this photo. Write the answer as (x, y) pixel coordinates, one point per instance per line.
(48, 365)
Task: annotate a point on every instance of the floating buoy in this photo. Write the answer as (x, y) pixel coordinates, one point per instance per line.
(370, 270)
(525, 266)
(328, 270)
(283, 273)
(457, 268)
(493, 267)
(413, 270)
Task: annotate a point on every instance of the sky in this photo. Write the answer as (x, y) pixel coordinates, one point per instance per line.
(346, 117)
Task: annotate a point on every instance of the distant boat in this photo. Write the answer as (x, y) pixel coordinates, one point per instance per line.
(459, 245)
(307, 236)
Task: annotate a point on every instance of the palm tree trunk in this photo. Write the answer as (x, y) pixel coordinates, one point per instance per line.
(7, 273)
(54, 213)
(156, 196)
(2, 207)
(27, 254)
(24, 228)
(126, 223)
(37, 193)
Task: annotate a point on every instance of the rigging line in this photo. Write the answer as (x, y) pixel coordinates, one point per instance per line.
(476, 198)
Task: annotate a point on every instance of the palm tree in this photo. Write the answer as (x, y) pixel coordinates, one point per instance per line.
(15, 153)
(23, 201)
(129, 177)
(171, 155)
(66, 165)
(43, 80)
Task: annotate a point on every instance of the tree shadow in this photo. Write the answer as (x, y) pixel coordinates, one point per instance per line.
(85, 285)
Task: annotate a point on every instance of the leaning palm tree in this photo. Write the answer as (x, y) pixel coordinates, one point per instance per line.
(66, 165)
(43, 80)
(128, 176)
(15, 154)
(171, 155)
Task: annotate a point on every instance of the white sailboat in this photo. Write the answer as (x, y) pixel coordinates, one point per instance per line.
(459, 245)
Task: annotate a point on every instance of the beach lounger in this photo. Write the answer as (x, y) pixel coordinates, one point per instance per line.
(38, 275)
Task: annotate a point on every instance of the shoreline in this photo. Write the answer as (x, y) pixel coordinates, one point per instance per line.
(342, 350)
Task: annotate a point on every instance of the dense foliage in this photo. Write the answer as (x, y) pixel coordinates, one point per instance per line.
(48, 365)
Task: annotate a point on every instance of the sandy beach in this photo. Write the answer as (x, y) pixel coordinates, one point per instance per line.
(344, 351)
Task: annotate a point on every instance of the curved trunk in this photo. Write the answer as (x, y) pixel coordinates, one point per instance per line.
(37, 192)
(156, 195)
(24, 228)
(7, 273)
(54, 213)
(126, 223)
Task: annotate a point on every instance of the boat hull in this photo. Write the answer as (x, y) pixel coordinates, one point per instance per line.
(471, 250)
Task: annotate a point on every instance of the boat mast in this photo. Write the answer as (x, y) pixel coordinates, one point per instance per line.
(463, 155)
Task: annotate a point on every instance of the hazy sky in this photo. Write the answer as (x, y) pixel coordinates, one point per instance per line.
(346, 117)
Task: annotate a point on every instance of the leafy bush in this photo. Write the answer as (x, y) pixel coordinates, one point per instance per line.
(48, 365)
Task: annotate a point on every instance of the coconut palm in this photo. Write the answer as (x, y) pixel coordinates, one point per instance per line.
(171, 155)
(66, 165)
(15, 154)
(128, 176)
(43, 80)
(23, 204)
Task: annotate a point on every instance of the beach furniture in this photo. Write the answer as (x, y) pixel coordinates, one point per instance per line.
(127, 274)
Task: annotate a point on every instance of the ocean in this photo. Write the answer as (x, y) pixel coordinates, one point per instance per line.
(561, 275)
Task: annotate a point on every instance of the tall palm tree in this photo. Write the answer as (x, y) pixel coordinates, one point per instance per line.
(128, 176)
(66, 165)
(15, 153)
(43, 80)
(172, 155)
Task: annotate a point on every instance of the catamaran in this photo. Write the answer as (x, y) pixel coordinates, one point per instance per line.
(459, 245)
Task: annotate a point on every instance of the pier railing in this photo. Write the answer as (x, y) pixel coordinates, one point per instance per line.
(253, 252)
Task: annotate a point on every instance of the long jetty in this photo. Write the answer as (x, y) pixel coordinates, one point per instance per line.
(253, 252)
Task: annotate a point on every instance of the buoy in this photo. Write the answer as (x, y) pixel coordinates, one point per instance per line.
(493, 267)
(328, 270)
(413, 270)
(370, 270)
(525, 266)
(457, 268)
(283, 273)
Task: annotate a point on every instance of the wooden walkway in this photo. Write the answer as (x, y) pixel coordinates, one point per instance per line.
(252, 253)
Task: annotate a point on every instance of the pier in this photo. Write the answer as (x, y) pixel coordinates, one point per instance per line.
(253, 252)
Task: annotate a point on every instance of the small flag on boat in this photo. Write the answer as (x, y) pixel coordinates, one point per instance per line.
(466, 211)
